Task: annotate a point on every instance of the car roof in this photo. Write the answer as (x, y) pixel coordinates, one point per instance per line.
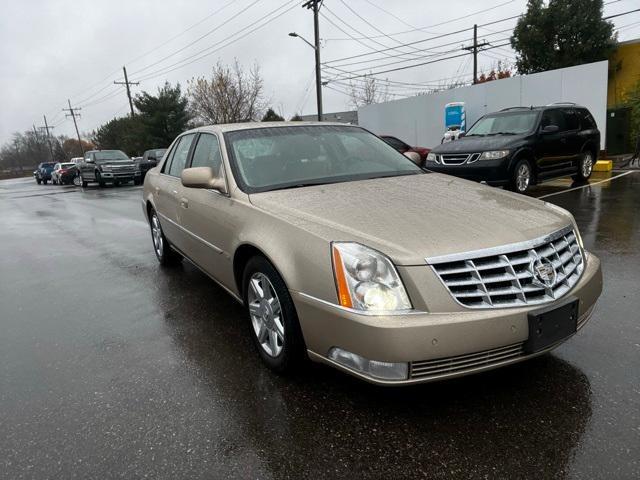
(539, 108)
(230, 127)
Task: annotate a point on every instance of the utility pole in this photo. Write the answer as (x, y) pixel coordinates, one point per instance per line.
(127, 83)
(72, 113)
(314, 4)
(475, 48)
(47, 127)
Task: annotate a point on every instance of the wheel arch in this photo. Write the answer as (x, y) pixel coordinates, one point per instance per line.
(243, 253)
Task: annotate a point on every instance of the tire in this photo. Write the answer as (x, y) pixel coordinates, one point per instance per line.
(521, 176)
(101, 183)
(585, 167)
(166, 255)
(281, 345)
(39, 181)
(116, 184)
(44, 181)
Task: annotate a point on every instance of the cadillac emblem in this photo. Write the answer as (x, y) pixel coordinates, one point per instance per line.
(544, 273)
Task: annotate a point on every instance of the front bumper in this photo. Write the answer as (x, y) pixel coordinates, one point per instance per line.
(435, 345)
(494, 172)
(120, 176)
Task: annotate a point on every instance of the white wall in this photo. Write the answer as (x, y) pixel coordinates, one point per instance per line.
(420, 120)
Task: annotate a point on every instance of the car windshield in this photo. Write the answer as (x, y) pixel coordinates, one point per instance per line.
(48, 165)
(504, 123)
(66, 165)
(286, 157)
(157, 153)
(106, 155)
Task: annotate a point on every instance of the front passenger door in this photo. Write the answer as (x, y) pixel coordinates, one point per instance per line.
(209, 215)
(169, 192)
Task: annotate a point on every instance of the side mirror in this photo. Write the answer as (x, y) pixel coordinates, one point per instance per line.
(414, 157)
(202, 177)
(550, 129)
(461, 134)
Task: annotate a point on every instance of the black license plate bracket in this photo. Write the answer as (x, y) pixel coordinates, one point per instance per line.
(551, 325)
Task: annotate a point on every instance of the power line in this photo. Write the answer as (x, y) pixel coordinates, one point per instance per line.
(435, 24)
(201, 37)
(397, 53)
(200, 54)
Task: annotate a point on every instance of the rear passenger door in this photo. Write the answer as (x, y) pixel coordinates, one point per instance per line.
(552, 148)
(208, 215)
(169, 191)
(573, 139)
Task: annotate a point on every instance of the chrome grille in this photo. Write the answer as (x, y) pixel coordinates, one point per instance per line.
(458, 158)
(507, 278)
(461, 363)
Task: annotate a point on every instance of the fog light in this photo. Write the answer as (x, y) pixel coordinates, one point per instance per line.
(371, 368)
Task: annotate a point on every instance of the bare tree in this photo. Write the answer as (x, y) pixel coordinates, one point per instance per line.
(367, 92)
(230, 95)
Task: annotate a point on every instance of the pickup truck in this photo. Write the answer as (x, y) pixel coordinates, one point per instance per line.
(107, 166)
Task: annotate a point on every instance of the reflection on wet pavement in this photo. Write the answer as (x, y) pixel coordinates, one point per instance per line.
(111, 366)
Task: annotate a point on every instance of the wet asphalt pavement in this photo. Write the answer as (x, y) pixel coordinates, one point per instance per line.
(112, 367)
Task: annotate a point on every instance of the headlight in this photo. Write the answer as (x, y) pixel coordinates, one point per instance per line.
(105, 168)
(494, 154)
(367, 280)
(432, 157)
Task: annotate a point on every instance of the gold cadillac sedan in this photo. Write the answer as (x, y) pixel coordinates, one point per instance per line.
(346, 252)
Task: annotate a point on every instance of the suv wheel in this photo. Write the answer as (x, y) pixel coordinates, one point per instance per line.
(161, 246)
(522, 176)
(39, 181)
(585, 167)
(274, 323)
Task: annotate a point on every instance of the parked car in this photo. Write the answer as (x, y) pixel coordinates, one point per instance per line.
(43, 172)
(314, 228)
(521, 146)
(63, 173)
(150, 159)
(102, 166)
(403, 147)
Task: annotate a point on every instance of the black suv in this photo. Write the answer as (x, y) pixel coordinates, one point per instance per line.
(519, 146)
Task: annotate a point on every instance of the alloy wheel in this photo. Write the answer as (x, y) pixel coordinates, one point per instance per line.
(587, 165)
(266, 314)
(156, 234)
(523, 177)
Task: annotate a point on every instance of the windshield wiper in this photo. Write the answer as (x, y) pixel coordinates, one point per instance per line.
(475, 135)
(503, 133)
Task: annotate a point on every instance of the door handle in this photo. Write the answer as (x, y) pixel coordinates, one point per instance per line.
(184, 203)
(174, 192)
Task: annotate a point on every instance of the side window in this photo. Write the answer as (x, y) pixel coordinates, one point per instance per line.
(207, 153)
(586, 120)
(571, 119)
(179, 159)
(553, 117)
(165, 165)
(395, 143)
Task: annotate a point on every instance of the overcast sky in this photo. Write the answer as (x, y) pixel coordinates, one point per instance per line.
(58, 49)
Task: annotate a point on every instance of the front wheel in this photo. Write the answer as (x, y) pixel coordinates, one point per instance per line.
(39, 181)
(585, 167)
(522, 177)
(274, 323)
(44, 181)
(101, 183)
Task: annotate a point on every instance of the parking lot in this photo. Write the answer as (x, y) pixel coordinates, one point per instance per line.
(111, 366)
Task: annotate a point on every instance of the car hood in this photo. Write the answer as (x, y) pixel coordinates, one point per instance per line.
(116, 162)
(414, 217)
(479, 144)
